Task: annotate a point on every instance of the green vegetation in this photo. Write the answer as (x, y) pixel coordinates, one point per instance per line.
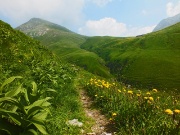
(28, 103)
(66, 44)
(39, 91)
(147, 61)
(136, 112)
(23, 111)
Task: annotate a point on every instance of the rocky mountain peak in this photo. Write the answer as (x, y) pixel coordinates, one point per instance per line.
(167, 22)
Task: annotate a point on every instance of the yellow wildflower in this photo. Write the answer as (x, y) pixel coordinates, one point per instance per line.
(119, 90)
(151, 99)
(148, 93)
(114, 114)
(154, 90)
(96, 95)
(177, 111)
(168, 111)
(130, 92)
(145, 97)
(138, 95)
(110, 119)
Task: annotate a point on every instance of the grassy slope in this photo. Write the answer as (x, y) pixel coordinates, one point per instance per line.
(66, 44)
(151, 60)
(21, 55)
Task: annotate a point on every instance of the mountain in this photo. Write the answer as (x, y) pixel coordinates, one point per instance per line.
(49, 32)
(149, 61)
(65, 43)
(167, 22)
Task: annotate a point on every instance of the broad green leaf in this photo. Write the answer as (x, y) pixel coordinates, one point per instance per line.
(46, 104)
(42, 102)
(32, 131)
(9, 100)
(13, 108)
(41, 116)
(9, 80)
(40, 126)
(33, 111)
(34, 89)
(13, 115)
(26, 95)
(51, 90)
(14, 92)
(15, 118)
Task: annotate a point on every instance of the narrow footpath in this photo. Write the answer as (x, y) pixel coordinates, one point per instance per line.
(102, 125)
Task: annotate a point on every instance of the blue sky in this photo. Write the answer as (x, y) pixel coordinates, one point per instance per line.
(92, 17)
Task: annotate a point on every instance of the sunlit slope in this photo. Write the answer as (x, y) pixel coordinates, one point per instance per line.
(24, 56)
(151, 60)
(65, 44)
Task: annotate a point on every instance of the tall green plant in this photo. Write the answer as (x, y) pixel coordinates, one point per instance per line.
(22, 111)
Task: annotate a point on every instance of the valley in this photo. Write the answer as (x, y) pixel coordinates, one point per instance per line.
(46, 69)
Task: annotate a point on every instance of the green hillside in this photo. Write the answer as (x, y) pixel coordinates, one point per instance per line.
(66, 44)
(41, 94)
(35, 85)
(148, 61)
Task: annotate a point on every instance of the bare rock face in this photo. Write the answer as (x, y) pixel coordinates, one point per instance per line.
(167, 22)
(36, 27)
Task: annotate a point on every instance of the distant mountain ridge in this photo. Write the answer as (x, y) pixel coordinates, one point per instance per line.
(148, 61)
(38, 27)
(167, 22)
(65, 43)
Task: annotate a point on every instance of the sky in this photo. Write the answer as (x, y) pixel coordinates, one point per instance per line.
(120, 18)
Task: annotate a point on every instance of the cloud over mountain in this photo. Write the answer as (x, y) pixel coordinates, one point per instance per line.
(111, 27)
(58, 11)
(102, 27)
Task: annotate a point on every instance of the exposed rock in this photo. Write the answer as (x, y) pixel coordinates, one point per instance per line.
(167, 22)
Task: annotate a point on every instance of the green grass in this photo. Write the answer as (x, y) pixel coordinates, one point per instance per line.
(20, 55)
(66, 45)
(148, 61)
(133, 111)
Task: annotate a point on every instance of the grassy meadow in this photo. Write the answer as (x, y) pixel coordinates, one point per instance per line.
(146, 61)
(37, 91)
(40, 82)
(134, 111)
(66, 45)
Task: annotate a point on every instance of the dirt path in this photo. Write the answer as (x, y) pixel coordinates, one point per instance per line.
(102, 126)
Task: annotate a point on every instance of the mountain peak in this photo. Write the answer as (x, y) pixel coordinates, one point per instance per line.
(36, 27)
(167, 22)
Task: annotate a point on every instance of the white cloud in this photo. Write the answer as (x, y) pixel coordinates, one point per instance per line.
(172, 8)
(102, 27)
(110, 27)
(101, 2)
(134, 31)
(59, 11)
